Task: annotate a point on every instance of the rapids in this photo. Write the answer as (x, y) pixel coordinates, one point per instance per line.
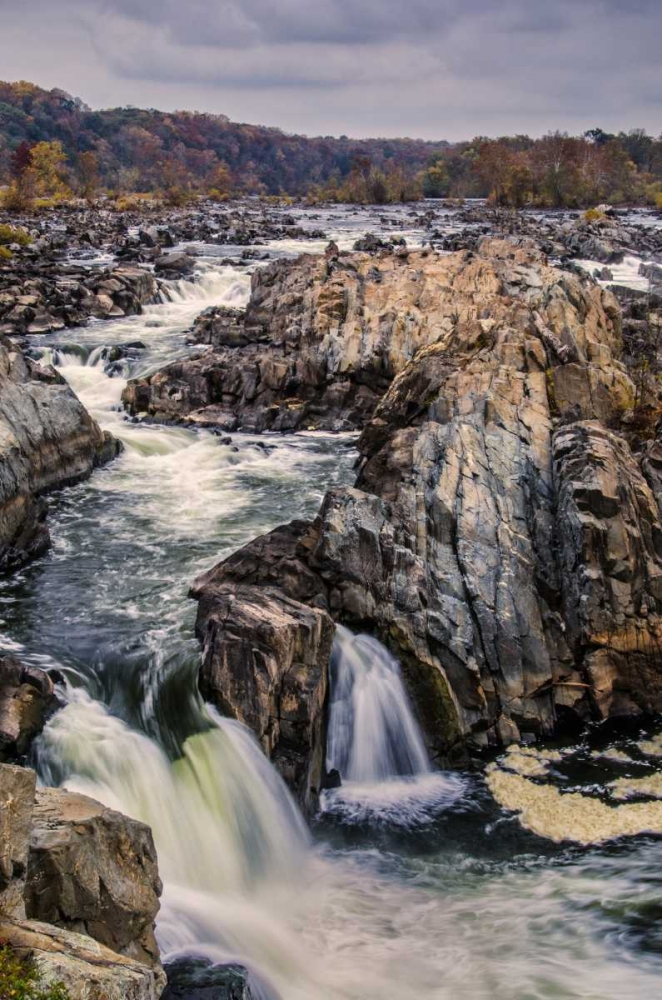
(412, 884)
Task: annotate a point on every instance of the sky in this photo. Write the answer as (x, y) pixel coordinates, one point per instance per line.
(433, 69)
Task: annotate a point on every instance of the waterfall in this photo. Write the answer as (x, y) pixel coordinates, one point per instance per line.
(375, 742)
(229, 837)
(373, 734)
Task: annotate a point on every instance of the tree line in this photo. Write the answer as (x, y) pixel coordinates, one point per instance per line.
(53, 147)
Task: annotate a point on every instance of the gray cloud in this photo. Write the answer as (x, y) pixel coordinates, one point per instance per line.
(434, 68)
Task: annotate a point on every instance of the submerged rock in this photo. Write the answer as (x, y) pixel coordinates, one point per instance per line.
(502, 538)
(198, 979)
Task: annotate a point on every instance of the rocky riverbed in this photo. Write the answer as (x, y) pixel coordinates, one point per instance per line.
(466, 467)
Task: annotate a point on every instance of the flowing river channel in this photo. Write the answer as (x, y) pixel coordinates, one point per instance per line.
(411, 884)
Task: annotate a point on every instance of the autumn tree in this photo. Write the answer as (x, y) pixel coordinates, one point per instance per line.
(436, 179)
(47, 161)
(88, 172)
(505, 172)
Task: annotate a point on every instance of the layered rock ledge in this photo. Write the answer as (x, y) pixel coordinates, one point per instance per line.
(47, 440)
(502, 538)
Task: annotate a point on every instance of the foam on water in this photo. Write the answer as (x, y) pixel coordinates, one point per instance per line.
(626, 273)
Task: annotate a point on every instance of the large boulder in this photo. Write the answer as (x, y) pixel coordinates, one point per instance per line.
(47, 440)
(79, 891)
(93, 871)
(501, 538)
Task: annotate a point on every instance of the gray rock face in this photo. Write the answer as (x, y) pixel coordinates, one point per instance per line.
(47, 440)
(26, 698)
(93, 871)
(502, 538)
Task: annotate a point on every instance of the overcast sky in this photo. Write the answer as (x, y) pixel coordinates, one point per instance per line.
(438, 69)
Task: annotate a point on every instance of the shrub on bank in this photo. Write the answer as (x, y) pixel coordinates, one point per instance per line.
(21, 980)
(9, 235)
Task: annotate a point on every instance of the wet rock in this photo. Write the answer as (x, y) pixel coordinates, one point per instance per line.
(38, 298)
(265, 659)
(27, 698)
(174, 264)
(198, 979)
(47, 440)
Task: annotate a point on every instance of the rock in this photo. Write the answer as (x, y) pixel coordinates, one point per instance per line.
(265, 660)
(219, 326)
(174, 263)
(370, 243)
(17, 788)
(26, 699)
(501, 538)
(93, 871)
(47, 440)
(40, 299)
(611, 563)
(653, 272)
(87, 969)
(198, 979)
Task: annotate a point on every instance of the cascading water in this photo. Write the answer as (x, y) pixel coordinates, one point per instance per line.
(372, 733)
(375, 742)
(228, 835)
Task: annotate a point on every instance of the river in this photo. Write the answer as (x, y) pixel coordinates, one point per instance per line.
(417, 886)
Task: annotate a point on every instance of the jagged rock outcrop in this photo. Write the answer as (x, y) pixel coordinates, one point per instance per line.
(501, 538)
(27, 697)
(322, 340)
(79, 891)
(47, 440)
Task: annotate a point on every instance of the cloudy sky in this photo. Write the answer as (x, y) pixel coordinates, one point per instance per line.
(442, 69)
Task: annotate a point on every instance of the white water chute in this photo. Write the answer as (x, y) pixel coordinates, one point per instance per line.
(376, 744)
(373, 734)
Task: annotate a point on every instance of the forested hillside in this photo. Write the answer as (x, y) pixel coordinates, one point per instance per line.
(52, 146)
